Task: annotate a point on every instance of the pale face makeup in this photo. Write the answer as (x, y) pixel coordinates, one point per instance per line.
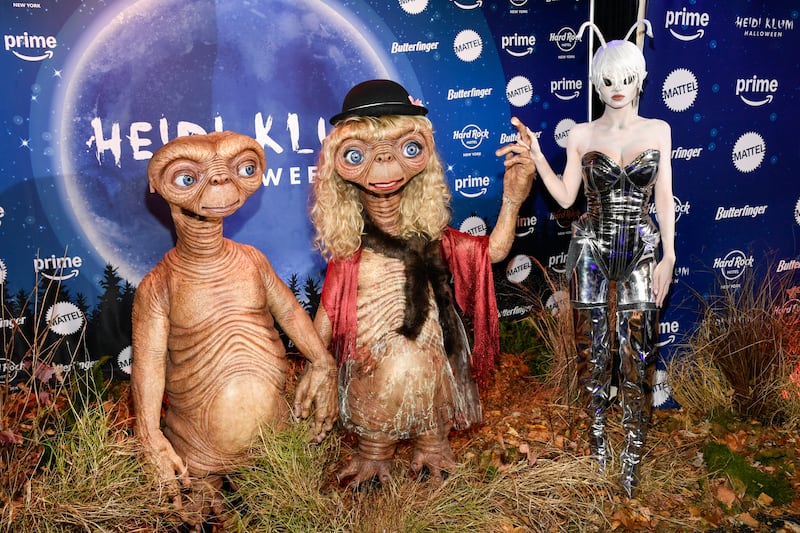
(618, 91)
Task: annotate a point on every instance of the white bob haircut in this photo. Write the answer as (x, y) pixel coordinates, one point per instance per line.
(618, 60)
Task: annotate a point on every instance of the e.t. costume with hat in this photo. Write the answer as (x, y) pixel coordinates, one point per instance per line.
(381, 210)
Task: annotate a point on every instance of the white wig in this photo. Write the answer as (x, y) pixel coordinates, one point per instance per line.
(617, 60)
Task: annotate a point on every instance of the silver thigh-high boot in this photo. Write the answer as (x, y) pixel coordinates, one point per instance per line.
(637, 349)
(596, 378)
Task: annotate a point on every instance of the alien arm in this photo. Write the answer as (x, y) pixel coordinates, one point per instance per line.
(318, 385)
(148, 378)
(518, 177)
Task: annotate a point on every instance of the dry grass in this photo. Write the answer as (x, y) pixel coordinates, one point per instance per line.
(738, 359)
(87, 478)
(73, 465)
(553, 322)
(296, 491)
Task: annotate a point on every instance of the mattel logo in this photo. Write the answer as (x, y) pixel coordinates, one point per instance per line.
(748, 152)
(468, 45)
(679, 90)
(30, 47)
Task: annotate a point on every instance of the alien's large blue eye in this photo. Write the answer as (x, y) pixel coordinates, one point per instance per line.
(412, 149)
(185, 180)
(354, 157)
(247, 170)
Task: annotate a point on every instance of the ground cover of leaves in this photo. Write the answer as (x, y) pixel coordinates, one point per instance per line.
(677, 492)
(525, 424)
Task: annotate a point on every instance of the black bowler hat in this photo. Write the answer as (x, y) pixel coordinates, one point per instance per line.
(375, 98)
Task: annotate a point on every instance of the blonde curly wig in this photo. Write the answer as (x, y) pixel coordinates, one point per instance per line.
(336, 209)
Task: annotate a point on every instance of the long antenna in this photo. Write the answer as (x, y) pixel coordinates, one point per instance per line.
(589, 48)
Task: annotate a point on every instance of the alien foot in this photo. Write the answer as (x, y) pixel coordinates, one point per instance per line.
(202, 504)
(433, 457)
(372, 463)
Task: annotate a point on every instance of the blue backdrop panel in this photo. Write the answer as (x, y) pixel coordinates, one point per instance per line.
(722, 74)
(90, 90)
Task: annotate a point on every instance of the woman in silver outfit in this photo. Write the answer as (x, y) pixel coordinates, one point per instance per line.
(621, 158)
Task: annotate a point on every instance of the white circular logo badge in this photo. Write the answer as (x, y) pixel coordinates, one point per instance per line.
(561, 133)
(661, 389)
(748, 152)
(468, 45)
(474, 225)
(64, 318)
(797, 211)
(679, 90)
(519, 91)
(124, 360)
(556, 301)
(413, 7)
(519, 268)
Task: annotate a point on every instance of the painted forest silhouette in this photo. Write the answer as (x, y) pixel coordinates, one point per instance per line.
(32, 349)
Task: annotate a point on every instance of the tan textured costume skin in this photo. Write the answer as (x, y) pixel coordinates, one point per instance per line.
(399, 388)
(204, 323)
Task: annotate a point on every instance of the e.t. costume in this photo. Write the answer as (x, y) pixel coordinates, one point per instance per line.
(390, 305)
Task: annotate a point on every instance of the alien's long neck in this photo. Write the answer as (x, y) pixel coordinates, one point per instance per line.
(384, 211)
(199, 239)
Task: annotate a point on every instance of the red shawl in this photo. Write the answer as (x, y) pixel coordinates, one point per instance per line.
(467, 258)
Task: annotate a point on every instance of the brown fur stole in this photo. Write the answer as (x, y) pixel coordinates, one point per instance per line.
(423, 265)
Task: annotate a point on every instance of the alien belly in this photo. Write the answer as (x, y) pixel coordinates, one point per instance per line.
(215, 415)
(396, 387)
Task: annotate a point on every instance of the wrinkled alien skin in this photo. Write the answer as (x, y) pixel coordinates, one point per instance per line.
(204, 324)
(399, 382)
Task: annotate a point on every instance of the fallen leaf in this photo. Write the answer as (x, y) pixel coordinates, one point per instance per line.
(725, 495)
(764, 499)
(748, 520)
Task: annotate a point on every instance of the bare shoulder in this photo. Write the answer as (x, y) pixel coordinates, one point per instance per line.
(579, 133)
(582, 128)
(658, 126)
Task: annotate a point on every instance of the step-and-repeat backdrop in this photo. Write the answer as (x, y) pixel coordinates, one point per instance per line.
(722, 73)
(90, 90)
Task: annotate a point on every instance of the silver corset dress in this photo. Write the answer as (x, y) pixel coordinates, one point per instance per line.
(615, 239)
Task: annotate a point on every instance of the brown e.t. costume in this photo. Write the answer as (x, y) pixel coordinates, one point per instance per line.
(381, 210)
(204, 323)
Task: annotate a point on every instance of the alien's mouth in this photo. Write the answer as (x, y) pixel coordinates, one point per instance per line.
(222, 209)
(386, 185)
